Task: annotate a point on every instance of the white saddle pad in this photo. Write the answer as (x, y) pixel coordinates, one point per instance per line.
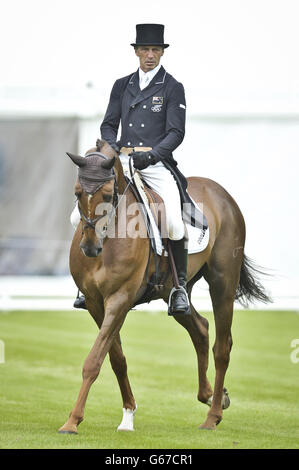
(198, 238)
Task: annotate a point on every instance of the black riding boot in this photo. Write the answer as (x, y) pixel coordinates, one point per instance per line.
(80, 301)
(179, 302)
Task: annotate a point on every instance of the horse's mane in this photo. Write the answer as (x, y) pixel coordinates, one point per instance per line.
(100, 143)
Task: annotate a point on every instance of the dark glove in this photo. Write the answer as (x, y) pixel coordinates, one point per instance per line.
(116, 147)
(142, 160)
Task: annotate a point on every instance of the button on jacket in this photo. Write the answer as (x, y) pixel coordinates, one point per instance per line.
(154, 117)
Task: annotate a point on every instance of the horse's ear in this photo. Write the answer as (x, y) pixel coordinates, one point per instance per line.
(108, 164)
(80, 161)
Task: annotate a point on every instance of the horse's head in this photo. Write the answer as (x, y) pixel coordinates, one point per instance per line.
(95, 190)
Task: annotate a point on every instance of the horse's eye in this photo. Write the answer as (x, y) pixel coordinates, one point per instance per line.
(107, 197)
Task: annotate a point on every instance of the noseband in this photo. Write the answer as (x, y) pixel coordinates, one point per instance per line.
(90, 223)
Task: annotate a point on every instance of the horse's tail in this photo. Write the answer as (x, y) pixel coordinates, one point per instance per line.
(250, 288)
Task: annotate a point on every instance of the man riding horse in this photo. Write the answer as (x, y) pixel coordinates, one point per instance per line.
(150, 105)
(152, 116)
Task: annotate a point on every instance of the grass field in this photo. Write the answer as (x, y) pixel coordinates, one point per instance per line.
(41, 376)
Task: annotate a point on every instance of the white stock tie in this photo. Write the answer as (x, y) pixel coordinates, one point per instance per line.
(144, 82)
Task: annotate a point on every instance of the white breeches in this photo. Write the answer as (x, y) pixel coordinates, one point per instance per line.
(160, 180)
(75, 217)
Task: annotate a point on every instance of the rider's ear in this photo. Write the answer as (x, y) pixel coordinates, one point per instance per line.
(108, 164)
(80, 161)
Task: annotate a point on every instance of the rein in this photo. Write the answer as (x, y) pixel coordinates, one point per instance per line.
(153, 284)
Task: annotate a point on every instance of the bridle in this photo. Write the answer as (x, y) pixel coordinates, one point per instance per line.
(91, 223)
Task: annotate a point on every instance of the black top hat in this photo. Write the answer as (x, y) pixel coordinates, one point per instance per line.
(150, 35)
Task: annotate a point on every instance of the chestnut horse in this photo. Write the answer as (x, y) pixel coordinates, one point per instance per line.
(112, 272)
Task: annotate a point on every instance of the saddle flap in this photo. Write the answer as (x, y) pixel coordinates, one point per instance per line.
(157, 207)
(155, 215)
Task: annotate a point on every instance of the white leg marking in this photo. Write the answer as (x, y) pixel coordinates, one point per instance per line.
(127, 423)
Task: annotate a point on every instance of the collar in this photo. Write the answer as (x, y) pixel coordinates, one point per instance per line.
(160, 76)
(134, 89)
(149, 74)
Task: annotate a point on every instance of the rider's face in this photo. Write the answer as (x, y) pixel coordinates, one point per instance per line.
(149, 56)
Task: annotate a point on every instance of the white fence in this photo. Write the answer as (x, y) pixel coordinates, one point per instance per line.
(59, 292)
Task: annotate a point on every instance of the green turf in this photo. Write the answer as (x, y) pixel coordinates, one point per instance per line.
(41, 376)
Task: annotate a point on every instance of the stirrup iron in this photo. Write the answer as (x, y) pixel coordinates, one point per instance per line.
(172, 312)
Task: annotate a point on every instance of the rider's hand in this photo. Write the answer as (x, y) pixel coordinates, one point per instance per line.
(116, 147)
(142, 160)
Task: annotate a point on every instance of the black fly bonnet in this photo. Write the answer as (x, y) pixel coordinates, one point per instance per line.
(95, 169)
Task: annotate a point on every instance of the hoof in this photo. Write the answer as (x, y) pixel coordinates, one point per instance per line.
(123, 429)
(68, 429)
(70, 426)
(225, 402)
(225, 399)
(67, 432)
(208, 425)
(211, 422)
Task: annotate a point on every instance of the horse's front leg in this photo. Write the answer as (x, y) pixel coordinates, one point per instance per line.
(119, 366)
(116, 308)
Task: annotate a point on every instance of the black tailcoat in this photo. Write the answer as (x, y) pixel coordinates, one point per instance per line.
(154, 117)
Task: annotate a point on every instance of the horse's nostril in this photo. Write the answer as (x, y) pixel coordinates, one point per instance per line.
(88, 251)
(91, 251)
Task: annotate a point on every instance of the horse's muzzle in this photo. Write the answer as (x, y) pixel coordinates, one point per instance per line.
(91, 251)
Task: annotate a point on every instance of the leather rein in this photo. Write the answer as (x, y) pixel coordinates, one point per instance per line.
(91, 223)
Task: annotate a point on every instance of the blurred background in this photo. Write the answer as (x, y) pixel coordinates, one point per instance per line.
(238, 61)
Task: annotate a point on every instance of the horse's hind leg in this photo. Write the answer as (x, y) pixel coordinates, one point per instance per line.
(223, 279)
(119, 366)
(197, 327)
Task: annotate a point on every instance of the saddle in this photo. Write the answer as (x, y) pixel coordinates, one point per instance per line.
(153, 209)
(149, 202)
